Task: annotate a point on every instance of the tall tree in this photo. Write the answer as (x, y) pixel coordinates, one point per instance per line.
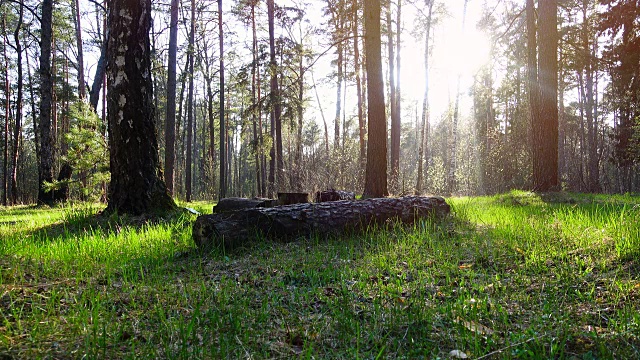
(82, 92)
(170, 118)
(190, 105)
(223, 128)
(17, 129)
(136, 184)
(395, 120)
(375, 184)
(424, 129)
(45, 165)
(362, 131)
(545, 131)
(592, 122)
(276, 162)
(7, 89)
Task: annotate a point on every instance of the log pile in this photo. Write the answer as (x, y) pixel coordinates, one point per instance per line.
(284, 223)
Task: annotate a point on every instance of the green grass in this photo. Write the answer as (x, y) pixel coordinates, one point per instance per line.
(510, 276)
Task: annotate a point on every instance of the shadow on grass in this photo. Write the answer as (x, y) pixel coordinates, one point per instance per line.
(81, 221)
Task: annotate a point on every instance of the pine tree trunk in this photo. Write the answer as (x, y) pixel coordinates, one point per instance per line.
(336, 122)
(190, 104)
(5, 173)
(361, 120)
(170, 118)
(136, 186)
(82, 92)
(376, 171)
(395, 121)
(593, 162)
(101, 68)
(424, 129)
(546, 173)
(398, 100)
(45, 165)
(223, 128)
(275, 107)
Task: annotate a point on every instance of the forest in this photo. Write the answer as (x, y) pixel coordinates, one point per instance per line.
(471, 102)
(475, 165)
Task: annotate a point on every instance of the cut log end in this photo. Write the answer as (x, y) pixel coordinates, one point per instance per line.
(284, 223)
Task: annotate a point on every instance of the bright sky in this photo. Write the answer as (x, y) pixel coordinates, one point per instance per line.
(454, 51)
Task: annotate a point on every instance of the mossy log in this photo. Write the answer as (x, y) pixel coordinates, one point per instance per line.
(283, 223)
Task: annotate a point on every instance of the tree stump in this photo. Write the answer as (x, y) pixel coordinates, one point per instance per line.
(236, 203)
(334, 195)
(285, 223)
(290, 198)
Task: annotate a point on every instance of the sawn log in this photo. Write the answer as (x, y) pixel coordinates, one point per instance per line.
(235, 228)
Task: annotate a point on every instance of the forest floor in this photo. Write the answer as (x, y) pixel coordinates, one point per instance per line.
(510, 276)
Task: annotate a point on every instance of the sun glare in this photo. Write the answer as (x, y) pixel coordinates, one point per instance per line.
(463, 53)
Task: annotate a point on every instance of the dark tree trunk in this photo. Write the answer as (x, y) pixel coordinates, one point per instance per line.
(533, 87)
(375, 184)
(395, 120)
(136, 185)
(170, 121)
(5, 173)
(223, 128)
(82, 92)
(275, 99)
(233, 229)
(257, 136)
(45, 165)
(190, 134)
(99, 78)
(593, 159)
(545, 170)
(398, 97)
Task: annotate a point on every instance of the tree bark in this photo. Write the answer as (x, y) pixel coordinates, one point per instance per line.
(82, 92)
(170, 119)
(361, 121)
(545, 170)
(190, 134)
(593, 160)
(223, 128)
(276, 130)
(17, 130)
(5, 173)
(376, 171)
(45, 165)
(395, 120)
(233, 229)
(136, 185)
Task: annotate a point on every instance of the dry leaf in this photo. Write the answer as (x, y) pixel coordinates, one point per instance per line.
(474, 326)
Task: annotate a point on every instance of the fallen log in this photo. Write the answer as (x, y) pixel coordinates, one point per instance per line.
(235, 228)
